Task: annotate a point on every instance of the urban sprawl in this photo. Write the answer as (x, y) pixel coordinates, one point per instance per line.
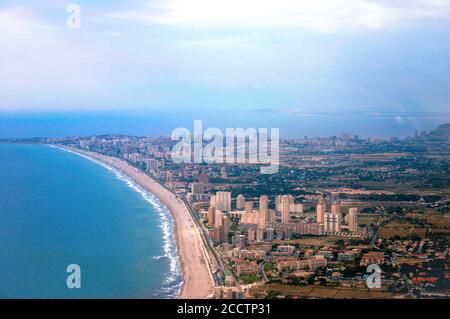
(336, 205)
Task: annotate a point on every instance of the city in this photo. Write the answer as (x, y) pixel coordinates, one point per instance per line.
(336, 206)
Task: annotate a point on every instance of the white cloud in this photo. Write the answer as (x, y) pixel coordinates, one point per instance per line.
(319, 14)
(37, 58)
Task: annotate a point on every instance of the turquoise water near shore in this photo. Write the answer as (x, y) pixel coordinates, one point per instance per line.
(58, 208)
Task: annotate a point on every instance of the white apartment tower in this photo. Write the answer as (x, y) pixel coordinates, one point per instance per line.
(223, 201)
(352, 219)
(320, 211)
(332, 223)
(240, 202)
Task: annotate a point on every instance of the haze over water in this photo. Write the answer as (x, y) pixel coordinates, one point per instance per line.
(292, 124)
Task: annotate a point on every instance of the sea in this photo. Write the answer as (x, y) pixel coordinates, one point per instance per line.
(59, 208)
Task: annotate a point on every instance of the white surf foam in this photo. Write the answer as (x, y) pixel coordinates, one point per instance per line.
(173, 279)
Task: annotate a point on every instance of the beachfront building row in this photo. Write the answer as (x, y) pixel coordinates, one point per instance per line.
(259, 222)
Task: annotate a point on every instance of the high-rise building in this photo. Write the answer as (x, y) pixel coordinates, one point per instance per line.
(211, 215)
(218, 219)
(212, 201)
(221, 230)
(352, 219)
(278, 203)
(240, 202)
(285, 209)
(264, 203)
(320, 211)
(223, 201)
(260, 234)
(270, 233)
(262, 219)
(332, 223)
(248, 207)
(336, 208)
(251, 234)
(152, 164)
(197, 188)
(263, 211)
(271, 216)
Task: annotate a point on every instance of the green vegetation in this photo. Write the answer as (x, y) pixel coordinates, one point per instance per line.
(248, 279)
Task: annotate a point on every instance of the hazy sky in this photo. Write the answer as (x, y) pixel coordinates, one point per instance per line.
(287, 55)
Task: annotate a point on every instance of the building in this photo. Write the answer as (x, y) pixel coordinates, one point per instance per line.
(198, 197)
(248, 207)
(336, 208)
(152, 164)
(372, 258)
(279, 200)
(223, 201)
(285, 209)
(262, 219)
(240, 201)
(197, 188)
(244, 267)
(320, 211)
(271, 217)
(332, 223)
(251, 234)
(296, 208)
(221, 228)
(352, 219)
(263, 211)
(211, 215)
(249, 218)
(259, 234)
(263, 203)
(284, 263)
(309, 229)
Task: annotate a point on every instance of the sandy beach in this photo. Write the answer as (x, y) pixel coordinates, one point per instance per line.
(197, 282)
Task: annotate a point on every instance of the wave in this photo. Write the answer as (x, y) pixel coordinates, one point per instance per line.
(173, 282)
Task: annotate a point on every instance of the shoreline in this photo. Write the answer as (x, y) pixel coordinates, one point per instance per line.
(196, 280)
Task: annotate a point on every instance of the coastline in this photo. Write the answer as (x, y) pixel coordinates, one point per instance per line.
(197, 282)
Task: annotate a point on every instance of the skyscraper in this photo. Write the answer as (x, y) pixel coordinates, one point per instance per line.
(263, 203)
(263, 211)
(336, 208)
(285, 206)
(248, 207)
(212, 201)
(320, 211)
(352, 219)
(211, 216)
(197, 188)
(332, 223)
(223, 201)
(240, 202)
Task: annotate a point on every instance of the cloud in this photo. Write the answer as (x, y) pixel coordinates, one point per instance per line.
(38, 58)
(319, 15)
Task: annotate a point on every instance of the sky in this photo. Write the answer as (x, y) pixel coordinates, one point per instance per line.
(292, 57)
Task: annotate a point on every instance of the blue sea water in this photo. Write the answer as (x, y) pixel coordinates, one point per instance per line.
(58, 208)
